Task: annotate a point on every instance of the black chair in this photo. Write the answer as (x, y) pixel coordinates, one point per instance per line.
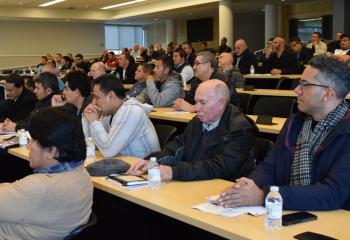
(76, 232)
(287, 83)
(262, 147)
(165, 133)
(274, 106)
(7, 71)
(244, 101)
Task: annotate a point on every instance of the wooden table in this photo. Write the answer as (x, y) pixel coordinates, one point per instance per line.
(169, 114)
(175, 199)
(129, 86)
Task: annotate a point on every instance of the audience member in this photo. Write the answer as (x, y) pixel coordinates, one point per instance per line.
(225, 63)
(316, 45)
(20, 101)
(243, 57)
(223, 46)
(217, 143)
(190, 53)
(142, 71)
(126, 70)
(310, 160)
(97, 69)
(303, 53)
(203, 47)
(136, 52)
(77, 92)
(164, 87)
(149, 54)
(43, 62)
(67, 63)
(58, 59)
(281, 60)
(335, 44)
(343, 54)
(112, 61)
(57, 198)
(182, 67)
(124, 127)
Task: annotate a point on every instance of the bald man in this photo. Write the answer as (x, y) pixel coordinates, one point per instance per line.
(282, 60)
(234, 77)
(243, 57)
(97, 69)
(217, 143)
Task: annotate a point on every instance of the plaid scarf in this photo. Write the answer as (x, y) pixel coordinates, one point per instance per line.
(308, 142)
(60, 167)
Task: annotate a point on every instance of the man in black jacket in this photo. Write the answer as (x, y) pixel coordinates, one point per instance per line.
(20, 101)
(218, 143)
(303, 53)
(46, 85)
(126, 70)
(243, 57)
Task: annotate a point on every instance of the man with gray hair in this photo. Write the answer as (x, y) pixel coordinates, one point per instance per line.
(310, 160)
(97, 69)
(217, 143)
(205, 68)
(232, 73)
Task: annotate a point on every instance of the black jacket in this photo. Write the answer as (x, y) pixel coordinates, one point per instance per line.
(247, 58)
(287, 62)
(129, 74)
(190, 59)
(24, 123)
(225, 152)
(19, 109)
(304, 56)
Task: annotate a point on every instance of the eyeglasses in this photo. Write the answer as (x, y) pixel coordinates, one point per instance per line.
(304, 83)
(198, 63)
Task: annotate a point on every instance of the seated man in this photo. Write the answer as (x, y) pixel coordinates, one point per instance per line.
(76, 92)
(310, 160)
(126, 70)
(303, 53)
(20, 101)
(46, 85)
(217, 143)
(182, 67)
(205, 68)
(225, 63)
(243, 57)
(343, 54)
(316, 45)
(281, 60)
(164, 87)
(124, 128)
(141, 74)
(97, 69)
(57, 198)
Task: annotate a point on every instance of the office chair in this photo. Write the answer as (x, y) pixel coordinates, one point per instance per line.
(274, 106)
(244, 101)
(165, 133)
(287, 83)
(75, 233)
(262, 147)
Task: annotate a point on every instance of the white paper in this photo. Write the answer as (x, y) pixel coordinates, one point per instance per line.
(177, 112)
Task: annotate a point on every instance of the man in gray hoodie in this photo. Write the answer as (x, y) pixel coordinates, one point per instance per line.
(164, 86)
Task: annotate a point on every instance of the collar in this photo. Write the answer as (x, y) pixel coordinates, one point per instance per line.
(210, 126)
(60, 167)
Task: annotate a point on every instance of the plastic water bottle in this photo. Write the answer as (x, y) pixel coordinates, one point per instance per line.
(22, 138)
(154, 180)
(273, 205)
(252, 69)
(90, 151)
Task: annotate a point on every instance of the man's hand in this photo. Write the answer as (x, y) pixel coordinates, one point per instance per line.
(276, 71)
(9, 126)
(243, 193)
(181, 105)
(139, 168)
(166, 173)
(92, 112)
(57, 101)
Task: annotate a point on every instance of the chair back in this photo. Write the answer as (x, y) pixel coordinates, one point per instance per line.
(262, 147)
(165, 133)
(244, 101)
(76, 232)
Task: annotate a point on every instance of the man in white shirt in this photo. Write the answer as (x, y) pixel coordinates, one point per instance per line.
(124, 128)
(181, 67)
(343, 54)
(317, 46)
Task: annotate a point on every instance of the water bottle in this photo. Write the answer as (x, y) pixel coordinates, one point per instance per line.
(154, 180)
(22, 138)
(273, 205)
(252, 69)
(90, 151)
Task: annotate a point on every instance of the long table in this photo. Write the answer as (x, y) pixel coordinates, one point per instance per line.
(170, 115)
(270, 76)
(175, 199)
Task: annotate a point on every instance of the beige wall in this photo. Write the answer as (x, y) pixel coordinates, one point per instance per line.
(22, 43)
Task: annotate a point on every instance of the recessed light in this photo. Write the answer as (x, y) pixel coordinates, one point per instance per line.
(51, 3)
(156, 19)
(122, 4)
(67, 20)
(20, 3)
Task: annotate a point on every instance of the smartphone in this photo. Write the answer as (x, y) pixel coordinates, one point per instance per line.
(298, 217)
(313, 236)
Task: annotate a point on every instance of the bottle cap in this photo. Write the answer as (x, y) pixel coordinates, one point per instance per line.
(274, 189)
(153, 159)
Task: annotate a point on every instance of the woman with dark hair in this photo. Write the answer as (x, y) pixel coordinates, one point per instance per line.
(67, 63)
(57, 198)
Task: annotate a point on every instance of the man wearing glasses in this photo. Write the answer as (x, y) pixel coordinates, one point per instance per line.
(310, 160)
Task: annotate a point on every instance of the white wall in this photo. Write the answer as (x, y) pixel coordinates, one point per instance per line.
(22, 43)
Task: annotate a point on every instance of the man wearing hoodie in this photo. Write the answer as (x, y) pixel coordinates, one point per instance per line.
(124, 127)
(164, 86)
